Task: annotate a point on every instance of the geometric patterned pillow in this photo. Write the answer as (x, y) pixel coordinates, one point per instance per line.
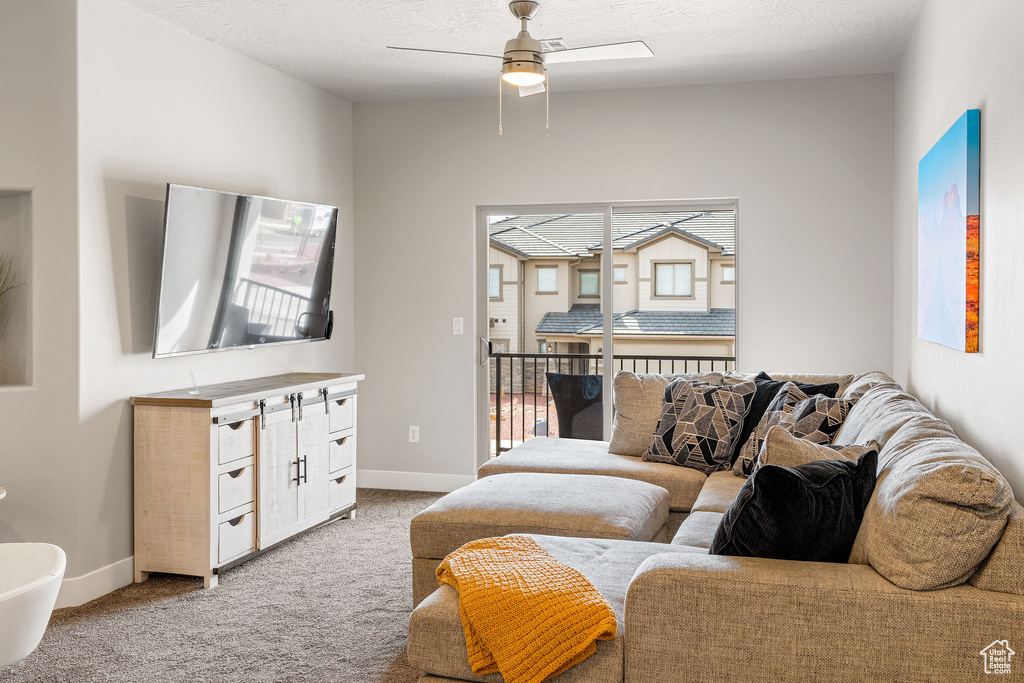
(699, 424)
(815, 418)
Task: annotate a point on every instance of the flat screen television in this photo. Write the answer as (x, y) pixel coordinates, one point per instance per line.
(241, 271)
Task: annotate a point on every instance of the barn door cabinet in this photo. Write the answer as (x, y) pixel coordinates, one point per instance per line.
(226, 473)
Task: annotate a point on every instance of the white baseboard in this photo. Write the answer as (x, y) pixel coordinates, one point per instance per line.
(412, 481)
(82, 589)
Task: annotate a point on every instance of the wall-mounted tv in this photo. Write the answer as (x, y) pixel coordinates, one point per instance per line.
(241, 271)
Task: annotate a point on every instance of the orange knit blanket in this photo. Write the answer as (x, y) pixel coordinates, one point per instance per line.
(524, 613)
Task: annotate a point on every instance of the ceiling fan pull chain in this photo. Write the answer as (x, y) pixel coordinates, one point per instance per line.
(547, 108)
(499, 105)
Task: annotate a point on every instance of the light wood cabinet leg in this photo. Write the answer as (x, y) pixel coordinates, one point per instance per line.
(141, 576)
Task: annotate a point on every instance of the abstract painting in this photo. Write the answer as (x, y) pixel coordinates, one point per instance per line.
(948, 185)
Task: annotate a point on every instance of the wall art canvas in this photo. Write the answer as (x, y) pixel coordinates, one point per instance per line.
(949, 183)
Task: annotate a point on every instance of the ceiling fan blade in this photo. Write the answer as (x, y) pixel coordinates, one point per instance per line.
(527, 90)
(444, 52)
(630, 50)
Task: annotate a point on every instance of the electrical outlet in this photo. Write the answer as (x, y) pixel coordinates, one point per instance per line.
(414, 434)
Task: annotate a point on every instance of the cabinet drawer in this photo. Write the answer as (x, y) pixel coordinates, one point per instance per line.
(234, 488)
(237, 536)
(341, 489)
(342, 413)
(342, 452)
(235, 441)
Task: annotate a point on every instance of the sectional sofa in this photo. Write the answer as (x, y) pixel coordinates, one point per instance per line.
(934, 587)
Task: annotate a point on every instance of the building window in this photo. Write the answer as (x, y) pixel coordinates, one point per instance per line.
(494, 283)
(619, 275)
(673, 279)
(728, 274)
(545, 347)
(547, 280)
(590, 283)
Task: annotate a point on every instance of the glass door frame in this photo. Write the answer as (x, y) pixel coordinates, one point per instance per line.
(607, 210)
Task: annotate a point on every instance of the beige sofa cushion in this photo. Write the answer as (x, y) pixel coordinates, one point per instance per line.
(862, 383)
(877, 414)
(437, 643)
(638, 400)
(938, 507)
(1002, 571)
(698, 529)
(579, 456)
(785, 450)
(719, 492)
(577, 505)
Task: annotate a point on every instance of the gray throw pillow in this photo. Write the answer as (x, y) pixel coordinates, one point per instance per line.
(783, 449)
(815, 418)
(638, 400)
(699, 424)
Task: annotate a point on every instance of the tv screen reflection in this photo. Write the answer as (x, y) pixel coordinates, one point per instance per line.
(242, 270)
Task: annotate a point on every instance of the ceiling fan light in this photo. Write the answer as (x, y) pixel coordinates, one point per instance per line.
(523, 74)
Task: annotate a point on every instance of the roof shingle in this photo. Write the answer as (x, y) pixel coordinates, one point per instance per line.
(585, 319)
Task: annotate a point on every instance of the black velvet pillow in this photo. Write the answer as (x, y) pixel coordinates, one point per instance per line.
(811, 512)
(578, 405)
(766, 389)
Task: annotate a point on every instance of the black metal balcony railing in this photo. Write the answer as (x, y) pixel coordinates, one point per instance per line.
(521, 404)
(276, 310)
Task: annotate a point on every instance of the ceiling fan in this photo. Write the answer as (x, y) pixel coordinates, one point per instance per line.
(524, 63)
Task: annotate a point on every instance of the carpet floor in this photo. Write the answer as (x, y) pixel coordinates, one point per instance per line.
(330, 605)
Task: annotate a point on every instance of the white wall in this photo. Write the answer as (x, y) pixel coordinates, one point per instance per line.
(965, 56)
(811, 164)
(39, 451)
(155, 104)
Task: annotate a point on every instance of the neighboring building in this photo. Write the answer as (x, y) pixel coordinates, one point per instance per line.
(674, 283)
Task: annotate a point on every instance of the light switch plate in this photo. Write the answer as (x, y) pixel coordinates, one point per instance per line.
(457, 326)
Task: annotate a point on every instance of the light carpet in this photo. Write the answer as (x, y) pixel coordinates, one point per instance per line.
(330, 605)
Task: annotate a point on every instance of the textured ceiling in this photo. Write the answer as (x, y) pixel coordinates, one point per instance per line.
(339, 45)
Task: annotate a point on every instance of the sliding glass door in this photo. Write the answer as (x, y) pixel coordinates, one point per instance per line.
(558, 314)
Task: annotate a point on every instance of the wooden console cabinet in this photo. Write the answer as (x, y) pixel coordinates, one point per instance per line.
(226, 473)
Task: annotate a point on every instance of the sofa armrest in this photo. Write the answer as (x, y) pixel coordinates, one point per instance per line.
(721, 618)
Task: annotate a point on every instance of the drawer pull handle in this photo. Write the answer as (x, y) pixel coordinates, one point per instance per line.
(235, 426)
(236, 521)
(341, 441)
(342, 401)
(237, 473)
(340, 479)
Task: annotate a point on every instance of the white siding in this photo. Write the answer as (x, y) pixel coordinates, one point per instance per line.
(667, 347)
(672, 249)
(626, 295)
(651, 303)
(722, 295)
(539, 304)
(506, 311)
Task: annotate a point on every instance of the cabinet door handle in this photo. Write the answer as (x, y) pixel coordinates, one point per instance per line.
(298, 471)
(305, 470)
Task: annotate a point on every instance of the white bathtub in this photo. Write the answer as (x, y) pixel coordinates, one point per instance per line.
(30, 576)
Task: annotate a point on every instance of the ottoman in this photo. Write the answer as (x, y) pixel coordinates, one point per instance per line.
(575, 505)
